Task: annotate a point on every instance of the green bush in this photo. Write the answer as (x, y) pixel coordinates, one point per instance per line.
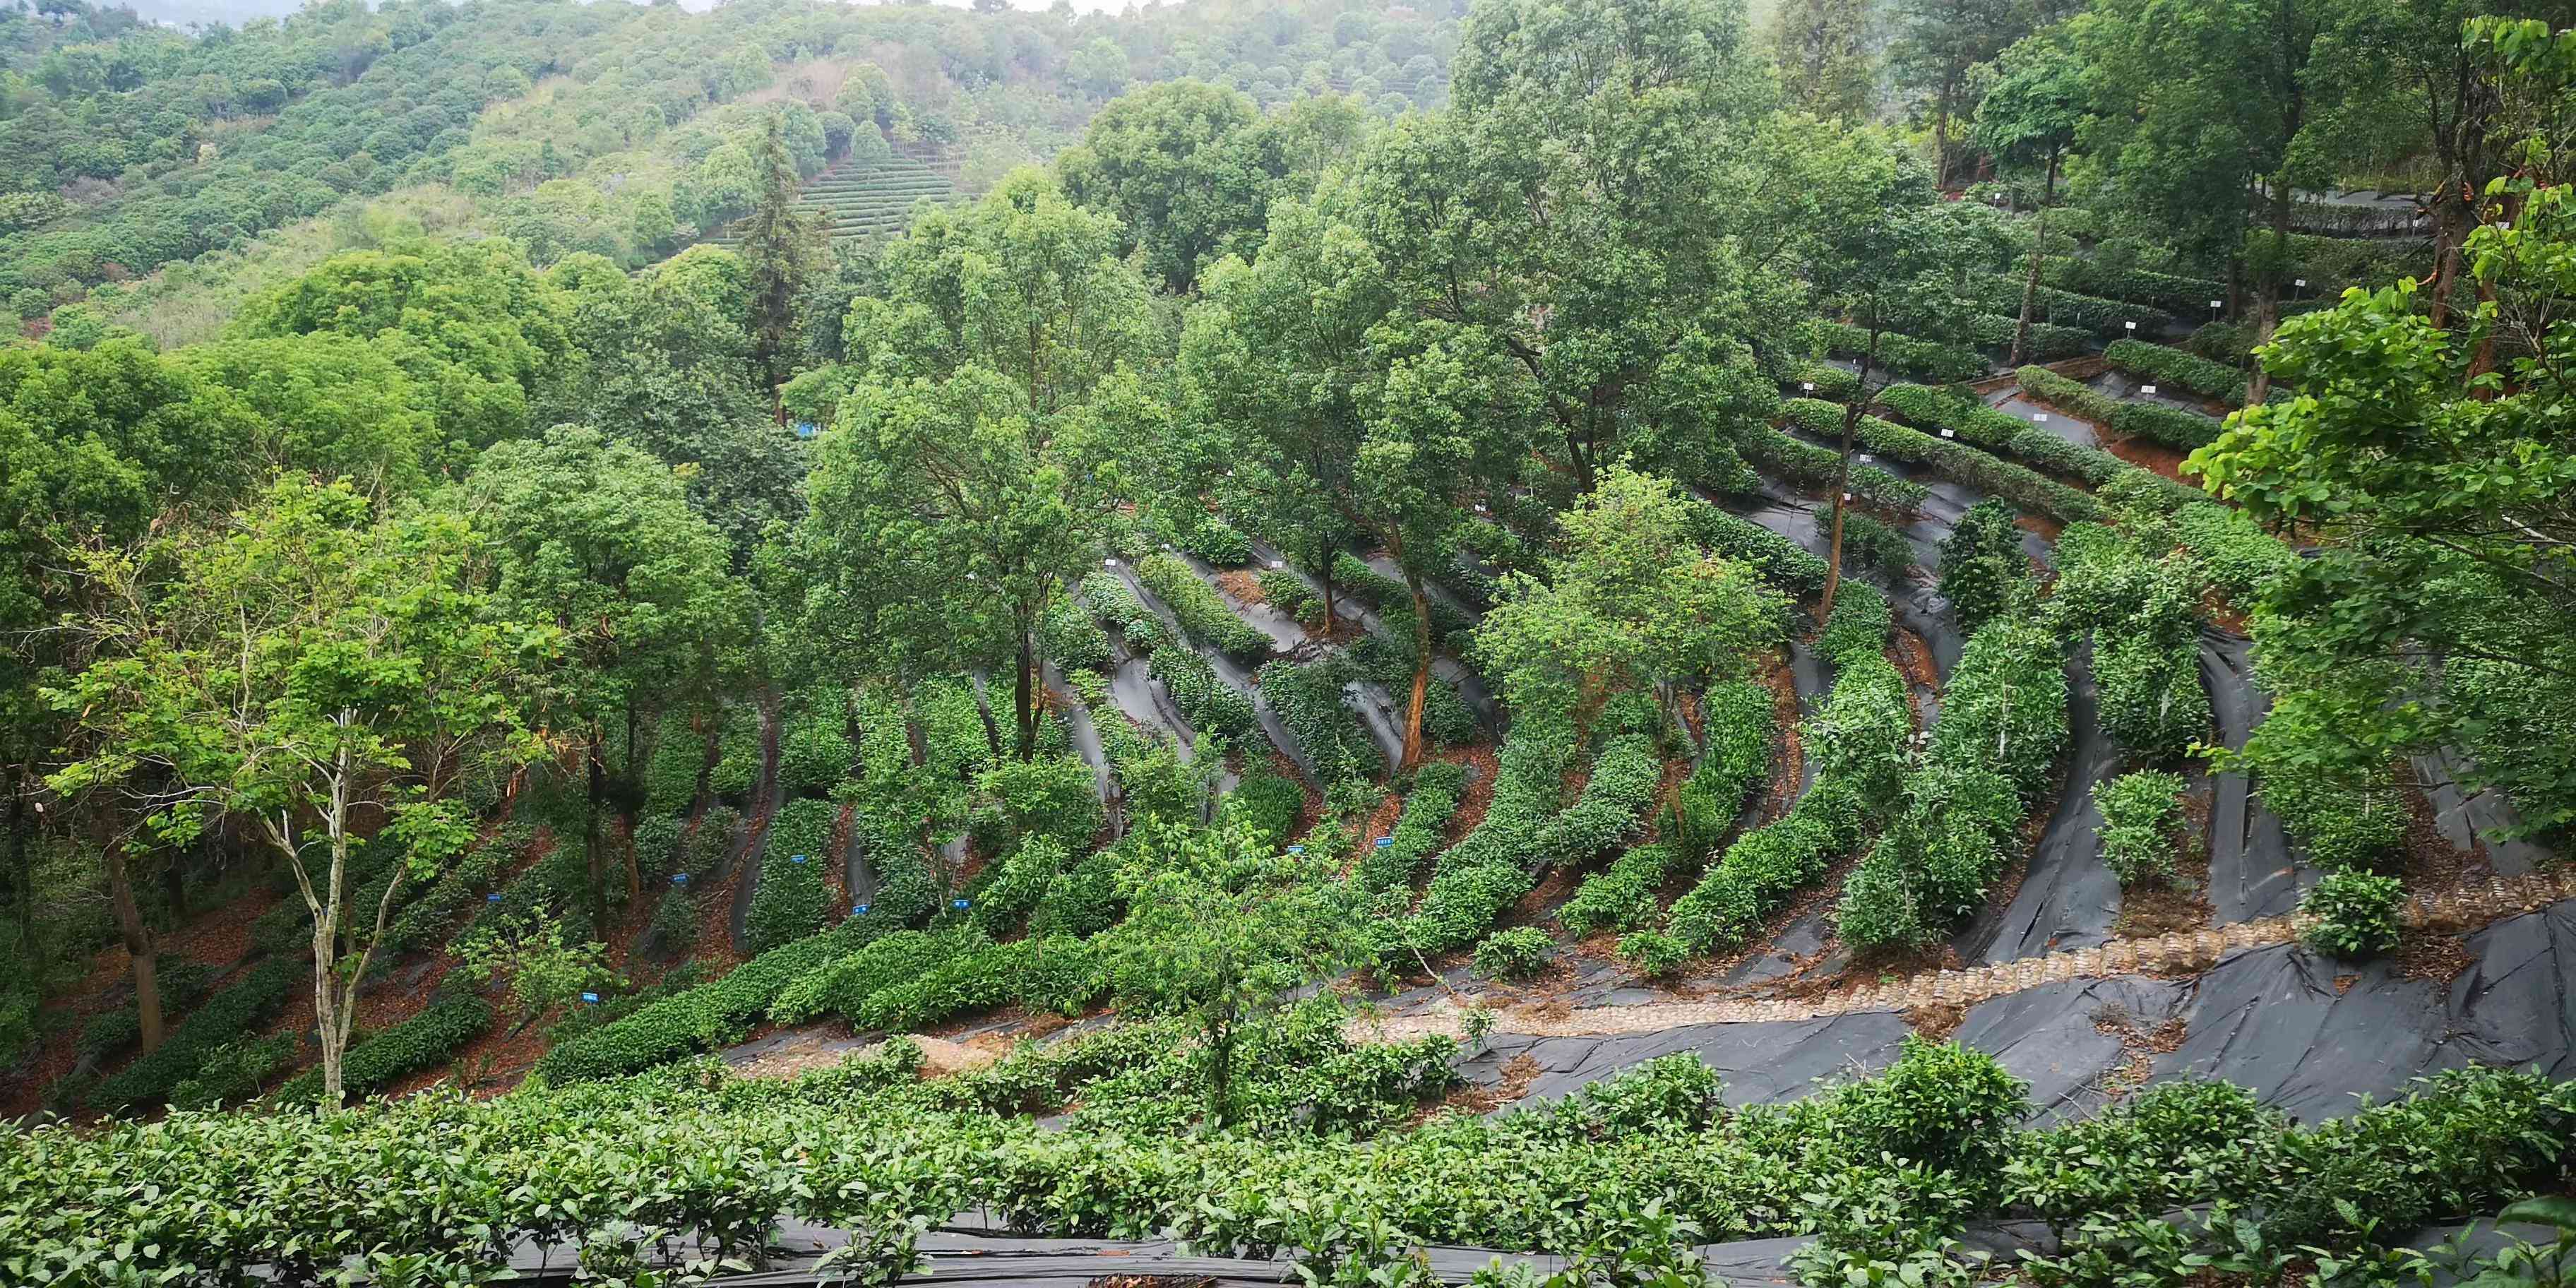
(706, 1016)
(424, 1041)
(1740, 727)
(1270, 803)
(2048, 343)
(1057, 797)
(1289, 593)
(1420, 830)
(2343, 825)
(2073, 397)
(1943, 1105)
(1126, 616)
(1872, 546)
(794, 858)
(814, 751)
(2170, 426)
(1832, 383)
(1070, 638)
(1805, 465)
(232, 1072)
(1858, 626)
(1983, 570)
(673, 931)
(1216, 542)
(843, 984)
(1211, 705)
(224, 1016)
(1954, 460)
(1487, 870)
(1929, 359)
(181, 982)
(1622, 896)
(2238, 556)
(1611, 808)
(2355, 914)
(1202, 612)
(2140, 815)
(2105, 317)
(2167, 367)
(1652, 953)
(1308, 699)
(1353, 575)
(1517, 953)
(1784, 564)
(2186, 296)
(738, 753)
(671, 773)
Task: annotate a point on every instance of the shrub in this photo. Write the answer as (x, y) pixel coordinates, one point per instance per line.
(1783, 563)
(1217, 542)
(232, 1072)
(814, 750)
(671, 774)
(1611, 807)
(2355, 914)
(1352, 574)
(1944, 1105)
(1806, 465)
(711, 841)
(1289, 593)
(1269, 803)
(1485, 871)
(1070, 638)
(1052, 796)
(1740, 728)
(1652, 953)
(2106, 317)
(1956, 461)
(2152, 700)
(1517, 953)
(2140, 812)
(1622, 896)
(1869, 545)
(738, 753)
(2048, 343)
(1983, 570)
(1928, 359)
(2163, 367)
(1135, 625)
(1832, 383)
(2188, 296)
(2238, 556)
(223, 1017)
(2343, 825)
(2170, 426)
(2073, 397)
(1203, 614)
(424, 1041)
(1308, 699)
(1858, 625)
(789, 904)
(1209, 703)
(673, 931)
(1420, 830)
(706, 1016)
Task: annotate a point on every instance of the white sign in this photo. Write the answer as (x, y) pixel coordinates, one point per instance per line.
(1847, 496)
(2146, 389)
(2039, 415)
(1108, 563)
(2131, 325)
(1809, 386)
(1278, 563)
(1948, 434)
(2213, 304)
(2302, 281)
(1864, 458)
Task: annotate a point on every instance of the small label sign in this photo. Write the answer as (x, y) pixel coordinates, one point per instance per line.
(494, 897)
(859, 909)
(1949, 433)
(961, 904)
(2038, 416)
(1296, 849)
(797, 859)
(592, 998)
(1385, 841)
(2131, 325)
(2146, 389)
(679, 878)
(1278, 563)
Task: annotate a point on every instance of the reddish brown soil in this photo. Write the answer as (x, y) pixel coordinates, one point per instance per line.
(1790, 764)
(1244, 586)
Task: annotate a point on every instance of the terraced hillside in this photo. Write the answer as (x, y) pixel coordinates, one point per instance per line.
(870, 199)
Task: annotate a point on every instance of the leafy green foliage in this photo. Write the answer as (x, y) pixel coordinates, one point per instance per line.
(2162, 366)
(1420, 830)
(1622, 896)
(1954, 460)
(795, 857)
(2141, 815)
(1202, 612)
(1983, 569)
(1514, 954)
(2354, 914)
(1481, 875)
(1929, 359)
(230, 1012)
(424, 1041)
(1308, 698)
(814, 749)
(1071, 639)
(1740, 730)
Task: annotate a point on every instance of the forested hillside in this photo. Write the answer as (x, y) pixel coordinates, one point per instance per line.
(1539, 642)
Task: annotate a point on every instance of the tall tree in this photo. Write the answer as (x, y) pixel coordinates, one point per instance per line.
(782, 245)
(1937, 44)
(314, 670)
(2028, 118)
(599, 540)
(1825, 52)
(958, 488)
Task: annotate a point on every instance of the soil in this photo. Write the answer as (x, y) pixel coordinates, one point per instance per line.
(2142, 1045)
(1789, 766)
(2146, 454)
(1936, 1021)
(2431, 955)
(2147, 912)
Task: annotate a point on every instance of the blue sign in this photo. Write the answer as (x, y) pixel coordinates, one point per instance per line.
(679, 878)
(858, 910)
(1296, 849)
(1385, 841)
(592, 998)
(494, 897)
(805, 429)
(798, 859)
(960, 904)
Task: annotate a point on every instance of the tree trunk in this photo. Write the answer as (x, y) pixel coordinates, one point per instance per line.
(137, 938)
(1941, 128)
(2451, 223)
(1024, 698)
(1324, 582)
(1842, 473)
(25, 876)
(2267, 300)
(594, 849)
(1421, 673)
(634, 876)
(2030, 281)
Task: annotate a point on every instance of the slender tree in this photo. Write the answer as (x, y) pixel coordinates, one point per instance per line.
(783, 246)
(2028, 118)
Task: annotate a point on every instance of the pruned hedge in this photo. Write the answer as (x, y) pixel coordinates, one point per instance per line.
(1480, 876)
(794, 858)
(2184, 296)
(1122, 612)
(1209, 703)
(1906, 355)
(1822, 380)
(1811, 467)
(424, 1041)
(2048, 342)
(229, 1013)
(2108, 318)
(1203, 614)
(1784, 564)
(1420, 830)
(1955, 461)
(1740, 729)
(2236, 553)
(1611, 809)
(1620, 897)
(2164, 365)
(1352, 574)
(1307, 696)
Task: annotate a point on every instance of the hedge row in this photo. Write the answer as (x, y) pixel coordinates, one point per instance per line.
(1352, 574)
(2108, 318)
(1419, 831)
(2168, 425)
(424, 1041)
(1823, 380)
(1387, 657)
(2164, 365)
(2003, 720)
(707, 1016)
(1053, 973)
(1071, 639)
(1957, 462)
(1307, 696)
(679, 758)
(1203, 613)
(1740, 729)
(1621, 897)
(2184, 296)
(1974, 422)
(1612, 807)
(814, 751)
(108, 1033)
(2141, 815)
(428, 918)
(1215, 541)
(1858, 625)
(1858, 740)
(794, 858)
(1209, 703)
(2144, 618)
(1126, 616)
(2048, 343)
(843, 985)
(739, 752)
(1483, 874)
(1811, 467)
(224, 1017)
(2235, 552)
(1776, 559)
(1929, 359)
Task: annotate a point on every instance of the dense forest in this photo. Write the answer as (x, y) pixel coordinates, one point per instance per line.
(1534, 642)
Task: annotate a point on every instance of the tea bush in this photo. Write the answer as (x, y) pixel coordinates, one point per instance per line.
(794, 860)
(2166, 367)
(1953, 460)
(1517, 953)
(1420, 830)
(1202, 612)
(1481, 875)
(2355, 912)
(1810, 467)
(2140, 814)
(1740, 729)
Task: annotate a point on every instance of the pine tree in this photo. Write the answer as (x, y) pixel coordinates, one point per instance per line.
(781, 245)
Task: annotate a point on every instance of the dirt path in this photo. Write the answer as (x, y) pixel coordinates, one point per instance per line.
(2469, 906)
